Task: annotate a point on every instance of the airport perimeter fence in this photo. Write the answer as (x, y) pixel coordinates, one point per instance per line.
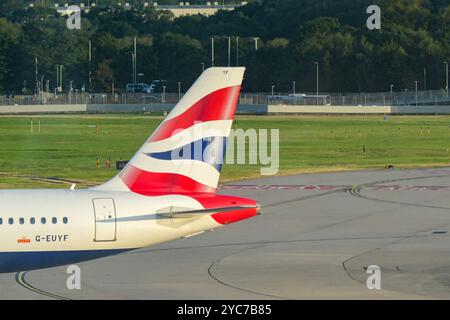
(431, 97)
(405, 98)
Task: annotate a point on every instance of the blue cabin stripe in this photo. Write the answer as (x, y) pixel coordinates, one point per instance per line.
(31, 260)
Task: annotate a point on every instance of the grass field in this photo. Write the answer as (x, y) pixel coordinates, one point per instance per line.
(67, 147)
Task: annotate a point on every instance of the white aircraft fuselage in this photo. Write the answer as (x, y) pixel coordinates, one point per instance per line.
(85, 224)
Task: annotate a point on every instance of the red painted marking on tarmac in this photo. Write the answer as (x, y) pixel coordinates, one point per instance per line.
(275, 187)
(411, 188)
(278, 187)
(437, 171)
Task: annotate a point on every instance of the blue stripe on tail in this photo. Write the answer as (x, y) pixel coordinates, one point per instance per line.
(210, 150)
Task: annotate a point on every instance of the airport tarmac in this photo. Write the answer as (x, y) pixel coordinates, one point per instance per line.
(317, 235)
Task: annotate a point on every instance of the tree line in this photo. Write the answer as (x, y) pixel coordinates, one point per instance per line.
(280, 41)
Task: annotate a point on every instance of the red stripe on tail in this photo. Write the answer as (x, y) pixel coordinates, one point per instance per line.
(218, 105)
(151, 183)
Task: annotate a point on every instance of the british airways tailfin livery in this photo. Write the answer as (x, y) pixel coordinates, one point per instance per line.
(166, 191)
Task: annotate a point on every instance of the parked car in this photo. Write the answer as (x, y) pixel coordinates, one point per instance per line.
(157, 86)
(139, 88)
(33, 100)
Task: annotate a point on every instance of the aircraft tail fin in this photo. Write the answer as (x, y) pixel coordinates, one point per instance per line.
(186, 152)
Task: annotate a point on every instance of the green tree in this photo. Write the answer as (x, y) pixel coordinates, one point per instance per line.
(103, 77)
(9, 40)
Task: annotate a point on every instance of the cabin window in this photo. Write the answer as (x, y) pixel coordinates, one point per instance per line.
(32, 220)
(65, 220)
(10, 220)
(21, 220)
(1, 221)
(54, 220)
(43, 220)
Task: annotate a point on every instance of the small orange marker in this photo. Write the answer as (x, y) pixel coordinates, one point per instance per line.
(23, 240)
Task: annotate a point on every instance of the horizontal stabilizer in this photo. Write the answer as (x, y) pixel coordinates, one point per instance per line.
(183, 213)
(201, 212)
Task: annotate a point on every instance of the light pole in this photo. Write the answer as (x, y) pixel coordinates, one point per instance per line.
(42, 84)
(135, 62)
(237, 51)
(164, 95)
(256, 42)
(57, 76)
(293, 87)
(179, 90)
(203, 66)
(36, 73)
(273, 87)
(61, 77)
(90, 62)
(132, 71)
(416, 90)
(392, 94)
(446, 76)
(212, 51)
(229, 51)
(70, 91)
(317, 79)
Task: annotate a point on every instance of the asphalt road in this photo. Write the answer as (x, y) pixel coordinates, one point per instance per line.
(315, 239)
